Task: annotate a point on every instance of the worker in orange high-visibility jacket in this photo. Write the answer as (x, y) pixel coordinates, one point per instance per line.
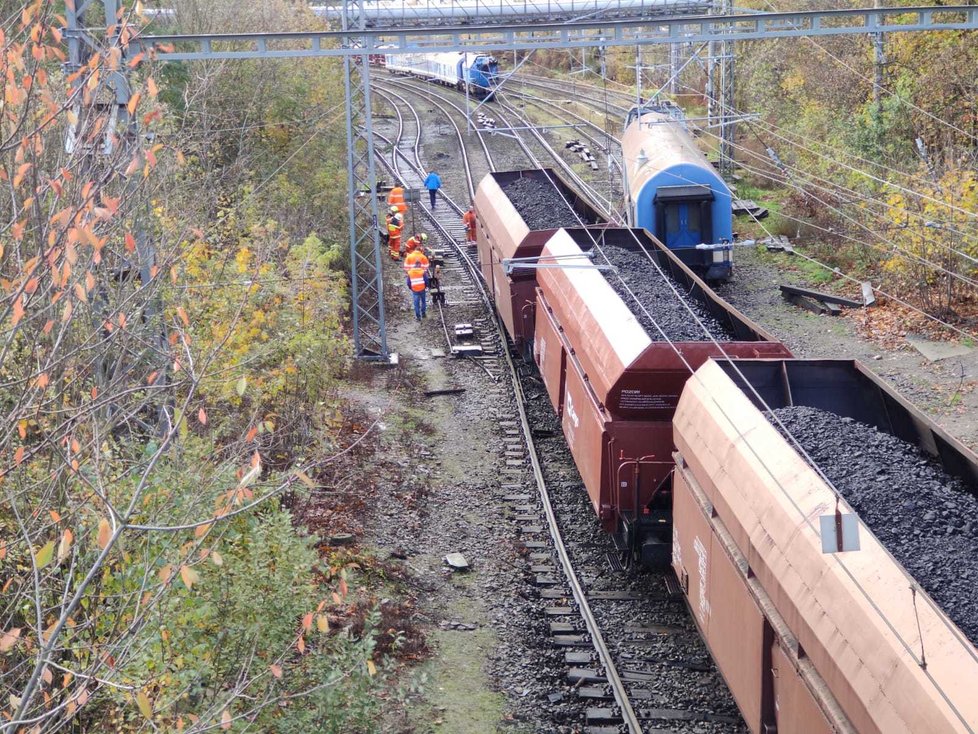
(417, 282)
(468, 219)
(396, 198)
(417, 242)
(416, 259)
(394, 228)
(392, 217)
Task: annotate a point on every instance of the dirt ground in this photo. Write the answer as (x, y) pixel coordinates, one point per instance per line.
(437, 482)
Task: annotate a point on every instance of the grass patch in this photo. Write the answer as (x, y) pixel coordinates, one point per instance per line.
(459, 699)
(808, 272)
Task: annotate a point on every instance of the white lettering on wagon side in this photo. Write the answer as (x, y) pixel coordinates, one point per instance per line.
(573, 421)
(703, 610)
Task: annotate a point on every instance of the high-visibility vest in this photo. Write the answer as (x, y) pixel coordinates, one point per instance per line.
(415, 243)
(396, 198)
(416, 259)
(416, 279)
(468, 219)
(394, 230)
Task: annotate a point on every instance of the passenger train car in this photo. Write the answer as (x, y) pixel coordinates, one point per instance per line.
(674, 192)
(479, 72)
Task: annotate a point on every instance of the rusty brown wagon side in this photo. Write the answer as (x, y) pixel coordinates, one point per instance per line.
(615, 389)
(502, 234)
(810, 638)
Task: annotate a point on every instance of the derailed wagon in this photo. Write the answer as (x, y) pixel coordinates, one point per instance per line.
(672, 190)
(503, 234)
(615, 386)
(815, 626)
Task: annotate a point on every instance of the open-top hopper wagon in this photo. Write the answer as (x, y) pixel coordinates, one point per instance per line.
(615, 385)
(815, 625)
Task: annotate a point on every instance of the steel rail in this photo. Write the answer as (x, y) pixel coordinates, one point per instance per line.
(577, 590)
(601, 203)
(554, 105)
(432, 96)
(395, 150)
(413, 83)
(580, 97)
(592, 136)
(573, 87)
(628, 714)
(418, 164)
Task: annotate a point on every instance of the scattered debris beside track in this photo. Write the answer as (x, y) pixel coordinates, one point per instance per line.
(651, 288)
(540, 204)
(925, 517)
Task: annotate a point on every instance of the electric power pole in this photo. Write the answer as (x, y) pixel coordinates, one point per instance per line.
(879, 66)
(720, 91)
(367, 284)
(120, 141)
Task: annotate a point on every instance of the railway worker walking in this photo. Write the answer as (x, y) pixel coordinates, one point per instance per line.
(433, 183)
(468, 219)
(395, 199)
(417, 282)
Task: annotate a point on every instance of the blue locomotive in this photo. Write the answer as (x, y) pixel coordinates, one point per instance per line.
(674, 192)
(480, 72)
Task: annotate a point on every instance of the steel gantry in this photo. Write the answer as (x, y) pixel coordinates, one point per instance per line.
(355, 41)
(502, 37)
(720, 90)
(366, 273)
(119, 140)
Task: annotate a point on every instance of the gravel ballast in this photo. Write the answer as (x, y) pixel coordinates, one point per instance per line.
(540, 204)
(652, 289)
(925, 517)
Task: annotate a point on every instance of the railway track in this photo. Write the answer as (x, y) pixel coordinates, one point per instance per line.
(539, 152)
(618, 679)
(411, 175)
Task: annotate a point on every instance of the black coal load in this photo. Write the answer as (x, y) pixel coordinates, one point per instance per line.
(540, 204)
(925, 517)
(652, 289)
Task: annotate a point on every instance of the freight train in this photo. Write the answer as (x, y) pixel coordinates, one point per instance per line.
(478, 72)
(674, 192)
(668, 409)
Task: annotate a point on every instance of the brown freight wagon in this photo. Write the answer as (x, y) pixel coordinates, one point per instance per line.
(502, 234)
(615, 389)
(808, 638)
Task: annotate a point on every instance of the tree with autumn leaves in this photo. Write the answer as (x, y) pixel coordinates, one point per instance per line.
(169, 350)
